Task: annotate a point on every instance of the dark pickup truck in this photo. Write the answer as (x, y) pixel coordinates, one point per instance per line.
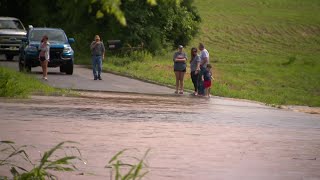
(12, 32)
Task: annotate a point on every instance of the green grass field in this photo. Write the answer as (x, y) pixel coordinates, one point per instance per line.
(267, 50)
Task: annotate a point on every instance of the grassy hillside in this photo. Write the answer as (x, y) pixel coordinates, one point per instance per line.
(266, 50)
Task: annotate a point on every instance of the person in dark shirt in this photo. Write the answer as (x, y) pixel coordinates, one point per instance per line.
(206, 77)
(180, 66)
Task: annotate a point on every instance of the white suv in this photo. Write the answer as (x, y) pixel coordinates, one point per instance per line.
(12, 32)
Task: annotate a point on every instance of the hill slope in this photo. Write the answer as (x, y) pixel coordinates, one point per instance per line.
(267, 50)
(264, 50)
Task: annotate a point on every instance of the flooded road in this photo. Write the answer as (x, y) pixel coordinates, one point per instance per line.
(189, 138)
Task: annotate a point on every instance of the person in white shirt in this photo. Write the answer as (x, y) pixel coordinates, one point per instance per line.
(204, 56)
(204, 61)
(44, 56)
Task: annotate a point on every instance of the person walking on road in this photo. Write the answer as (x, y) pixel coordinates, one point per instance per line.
(180, 66)
(44, 56)
(195, 68)
(97, 51)
(204, 61)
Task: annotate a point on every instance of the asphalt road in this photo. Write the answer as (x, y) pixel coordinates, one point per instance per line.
(82, 79)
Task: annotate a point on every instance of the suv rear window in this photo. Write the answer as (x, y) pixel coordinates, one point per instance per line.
(53, 35)
(11, 24)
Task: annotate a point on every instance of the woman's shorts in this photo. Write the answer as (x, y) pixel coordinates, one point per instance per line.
(42, 58)
(184, 70)
(207, 84)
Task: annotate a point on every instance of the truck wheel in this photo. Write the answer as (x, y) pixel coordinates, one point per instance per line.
(26, 65)
(62, 68)
(21, 66)
(68, 68)
(9, 57)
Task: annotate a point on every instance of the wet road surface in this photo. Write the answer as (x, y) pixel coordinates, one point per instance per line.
(190, 138)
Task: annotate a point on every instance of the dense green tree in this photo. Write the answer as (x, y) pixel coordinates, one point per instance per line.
(155, 24)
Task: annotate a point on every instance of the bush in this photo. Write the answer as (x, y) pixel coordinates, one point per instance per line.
(133, 56)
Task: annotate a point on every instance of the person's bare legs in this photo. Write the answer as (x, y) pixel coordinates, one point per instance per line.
(44, 65)
(177, 80)
(181, 78)
(207, 92)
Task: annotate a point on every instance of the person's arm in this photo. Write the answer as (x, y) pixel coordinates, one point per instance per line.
(204, 59)
(174, 57)
(93, 45)
(198, 63)
(182, 59)
(47, 52)
(103, 50)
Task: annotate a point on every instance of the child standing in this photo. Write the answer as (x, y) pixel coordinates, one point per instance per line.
(206, 77)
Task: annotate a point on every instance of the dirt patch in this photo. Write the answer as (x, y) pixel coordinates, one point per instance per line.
(305, 109)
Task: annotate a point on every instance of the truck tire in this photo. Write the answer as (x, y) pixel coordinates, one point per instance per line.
(26, 65)
(27, 68)
(62, 69)
(21, 66)
(9, 57)
(68, 68)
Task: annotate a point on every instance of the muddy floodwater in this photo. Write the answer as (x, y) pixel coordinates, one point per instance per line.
(189, 138)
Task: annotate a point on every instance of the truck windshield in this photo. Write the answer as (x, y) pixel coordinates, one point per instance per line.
(11, 24)
(53, 35)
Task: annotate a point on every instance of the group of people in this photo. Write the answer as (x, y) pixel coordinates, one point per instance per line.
(201, 74)
(200, 68)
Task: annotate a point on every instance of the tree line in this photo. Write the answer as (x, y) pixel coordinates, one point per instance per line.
(155, 25)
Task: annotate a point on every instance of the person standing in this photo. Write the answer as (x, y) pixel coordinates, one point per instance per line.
(180, 66)
(195, 68)
(204, 61)
(44, 56)
(97, 51)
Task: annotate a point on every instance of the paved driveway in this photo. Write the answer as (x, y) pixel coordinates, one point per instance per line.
(82, 79)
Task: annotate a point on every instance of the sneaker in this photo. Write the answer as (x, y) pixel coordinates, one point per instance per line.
(95, 78)
(181, 92)
(176, 92)
(45, 78)
(99, 78)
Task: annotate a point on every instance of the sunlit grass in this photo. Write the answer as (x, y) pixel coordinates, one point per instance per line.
(266, 51)
(22, 85)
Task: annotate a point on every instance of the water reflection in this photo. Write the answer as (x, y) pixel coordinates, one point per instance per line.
(190, 138)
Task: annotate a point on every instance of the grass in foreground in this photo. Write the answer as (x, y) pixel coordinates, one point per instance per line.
(266, 51)
(61, 158)
(16, 84)
(39, 170)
